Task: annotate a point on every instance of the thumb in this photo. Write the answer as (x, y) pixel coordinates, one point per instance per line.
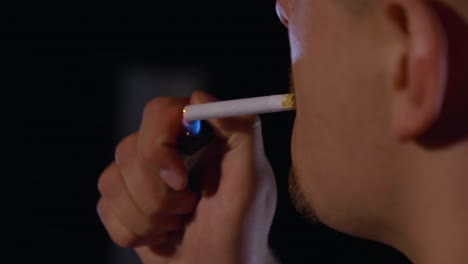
(244, 158)
(234, 130)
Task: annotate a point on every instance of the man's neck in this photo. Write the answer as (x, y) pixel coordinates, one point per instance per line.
(436, 225)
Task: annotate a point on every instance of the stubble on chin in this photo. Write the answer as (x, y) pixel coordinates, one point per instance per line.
(299, 199)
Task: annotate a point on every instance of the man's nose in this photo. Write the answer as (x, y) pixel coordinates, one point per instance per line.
(282, 9)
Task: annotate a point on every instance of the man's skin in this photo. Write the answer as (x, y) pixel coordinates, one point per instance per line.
(379, 146)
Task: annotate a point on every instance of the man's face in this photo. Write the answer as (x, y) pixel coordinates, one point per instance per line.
(341, 146)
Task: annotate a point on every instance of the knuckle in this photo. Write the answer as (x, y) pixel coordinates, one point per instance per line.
(154, 152)
(125, 240)
(105, 180)
(124, 150)
(120, 236)
(156, 105)
(99, 209)
(101, 185)
(148, 154)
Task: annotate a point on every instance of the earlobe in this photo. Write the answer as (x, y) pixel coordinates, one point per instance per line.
(420, 77)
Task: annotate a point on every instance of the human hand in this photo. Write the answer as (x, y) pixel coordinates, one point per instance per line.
(146, 203)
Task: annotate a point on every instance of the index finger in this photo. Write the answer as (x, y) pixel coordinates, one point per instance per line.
(160, 128)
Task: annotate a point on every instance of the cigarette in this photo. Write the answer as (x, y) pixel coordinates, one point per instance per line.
(248, 106)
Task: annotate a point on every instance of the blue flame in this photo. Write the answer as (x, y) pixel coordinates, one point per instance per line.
(194, 127)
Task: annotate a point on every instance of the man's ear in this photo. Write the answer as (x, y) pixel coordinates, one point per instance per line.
(419, 78)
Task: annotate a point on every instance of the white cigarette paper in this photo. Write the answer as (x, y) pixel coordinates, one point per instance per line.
(249, 106)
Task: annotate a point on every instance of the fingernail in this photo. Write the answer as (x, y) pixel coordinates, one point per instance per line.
(171, 179)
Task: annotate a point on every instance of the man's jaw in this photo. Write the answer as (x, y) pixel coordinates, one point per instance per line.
(299, 199)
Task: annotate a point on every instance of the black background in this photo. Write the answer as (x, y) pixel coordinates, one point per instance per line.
(60, 72)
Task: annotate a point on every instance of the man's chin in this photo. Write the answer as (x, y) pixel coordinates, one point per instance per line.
(299, 199)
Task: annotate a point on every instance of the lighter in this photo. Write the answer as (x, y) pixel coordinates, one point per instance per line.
(194, 141)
